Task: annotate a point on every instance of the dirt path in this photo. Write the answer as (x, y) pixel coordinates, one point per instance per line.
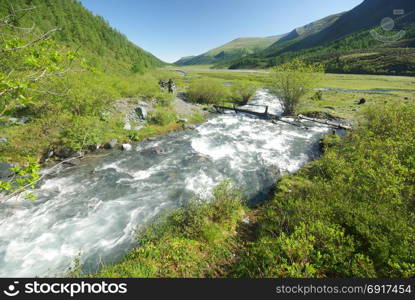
(186, 109)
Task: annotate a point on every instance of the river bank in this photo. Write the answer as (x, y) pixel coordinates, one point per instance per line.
(338, 216)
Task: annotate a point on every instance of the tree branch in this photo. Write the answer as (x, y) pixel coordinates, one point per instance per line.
(5, 198)
(42, 37)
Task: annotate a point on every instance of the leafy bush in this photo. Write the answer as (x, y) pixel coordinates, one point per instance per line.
(292, 81)
(24, 176)
(83, 132)
(242, 91)
(208, 91)
(161, 116)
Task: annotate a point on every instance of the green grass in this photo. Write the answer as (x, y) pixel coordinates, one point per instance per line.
(337, 103)
(366, 82)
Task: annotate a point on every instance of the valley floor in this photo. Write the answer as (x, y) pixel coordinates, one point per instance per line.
(348, 214)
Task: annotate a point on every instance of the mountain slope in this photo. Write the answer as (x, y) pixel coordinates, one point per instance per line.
(235, 49)
(351, 33)
(99, 43)
(243, 47)
(309, 29)
(366, 15)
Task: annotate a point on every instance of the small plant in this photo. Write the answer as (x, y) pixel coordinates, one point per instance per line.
(23, 177)
(161, 116)
(318, 96)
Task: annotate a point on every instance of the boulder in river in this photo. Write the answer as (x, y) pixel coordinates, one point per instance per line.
(154, 151)
(95, 147)
(73, 162)
(111, 144)
(126, 147)
(64, 152)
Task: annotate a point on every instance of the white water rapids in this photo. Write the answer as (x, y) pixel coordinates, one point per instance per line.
(92, 211)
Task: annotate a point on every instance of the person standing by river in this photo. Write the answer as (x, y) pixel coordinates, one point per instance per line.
(170, 86)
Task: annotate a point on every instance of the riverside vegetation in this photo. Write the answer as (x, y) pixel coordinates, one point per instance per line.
(348, 214)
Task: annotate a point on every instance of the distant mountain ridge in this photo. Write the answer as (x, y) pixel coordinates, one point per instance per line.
(351, 34)
(236, 48)
(242, 47)
(343, 42)
(309, 29)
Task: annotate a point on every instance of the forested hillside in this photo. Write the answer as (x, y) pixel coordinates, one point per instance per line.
(103, 46)
(61, 71)
(357, 32)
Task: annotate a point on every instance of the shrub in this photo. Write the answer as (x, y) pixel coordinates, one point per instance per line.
(208, 91)
(82, 132)
(242, 91)
(161, 116)
(318, 96)
(293, 80)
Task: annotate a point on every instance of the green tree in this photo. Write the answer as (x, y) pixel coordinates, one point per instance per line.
(292, 81)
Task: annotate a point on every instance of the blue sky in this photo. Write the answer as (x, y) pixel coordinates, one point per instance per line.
(171, 29)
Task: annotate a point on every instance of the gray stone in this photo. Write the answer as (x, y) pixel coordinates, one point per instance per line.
(139, 127)
(19, 121)
(64, 152)
(111, 144)
(95, 147)
(3, 140)
(78, 154)
(246, 221)
(126, 147)
(73, 162)
(5, 171)
(190, 126)
(49, 154)
(127, 126)
(362, 101)
(141, 112)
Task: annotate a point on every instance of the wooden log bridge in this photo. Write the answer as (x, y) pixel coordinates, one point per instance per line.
(264, 115)
(275, 118)
(325, 122)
